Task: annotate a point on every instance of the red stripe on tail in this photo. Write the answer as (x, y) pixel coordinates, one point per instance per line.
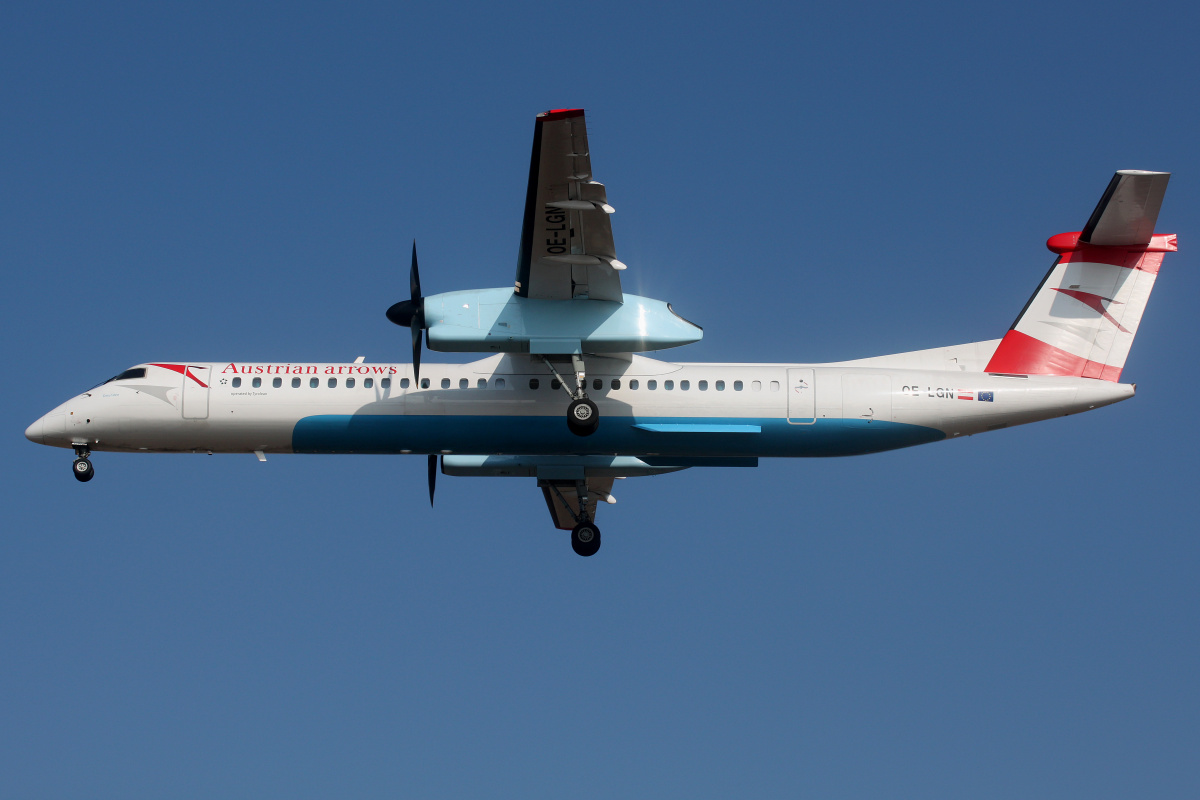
(1021, 354)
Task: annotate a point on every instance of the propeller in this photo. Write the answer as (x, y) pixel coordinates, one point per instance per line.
(432, 477)
(411, 313)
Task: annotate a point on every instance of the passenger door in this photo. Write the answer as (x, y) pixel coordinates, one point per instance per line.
(802, 397)
(195, 392)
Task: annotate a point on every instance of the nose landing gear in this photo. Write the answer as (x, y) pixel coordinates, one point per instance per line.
(83, 469)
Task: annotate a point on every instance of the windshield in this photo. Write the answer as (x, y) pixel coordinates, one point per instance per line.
(135, 372)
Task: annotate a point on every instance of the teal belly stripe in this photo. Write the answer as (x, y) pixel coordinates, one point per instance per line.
(495, 435)
(696, 427)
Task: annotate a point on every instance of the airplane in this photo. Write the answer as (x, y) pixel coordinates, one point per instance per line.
(566, 325)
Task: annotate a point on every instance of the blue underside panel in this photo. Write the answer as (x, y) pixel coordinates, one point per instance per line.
(373, 433)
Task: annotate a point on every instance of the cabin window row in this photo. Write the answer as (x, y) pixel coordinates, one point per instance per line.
(369, 383)
(667, 385)
(498, 383)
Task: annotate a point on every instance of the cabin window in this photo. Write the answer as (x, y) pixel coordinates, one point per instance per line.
(332, 382)
(463, 383)
(652, 385)
(481, 383)
(295, 383)
(702, 386)
(533, 383)
(555, 384)
(633, 384)
(314, 383)
(256, 383)
(597, 384)
(685, 385)
(616, 383)
(499, 383)
(424, 383)
(404, 383)
(668, 385)
(774, 386)
(385, 383)
(445, 383)
(369, 382)
(737, 386)
(349, 383)
(756, 386)
(277, 383)
(237, 382)
(720, 386)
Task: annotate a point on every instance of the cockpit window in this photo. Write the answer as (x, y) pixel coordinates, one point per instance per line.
(136, 372)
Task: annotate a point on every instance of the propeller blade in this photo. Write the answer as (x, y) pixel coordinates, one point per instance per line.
(432, 477)
(414, 277)
(416, 325)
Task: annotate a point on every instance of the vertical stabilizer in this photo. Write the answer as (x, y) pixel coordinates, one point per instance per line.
(1082, 319)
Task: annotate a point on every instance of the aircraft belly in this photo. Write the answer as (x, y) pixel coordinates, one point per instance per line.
(548, 435)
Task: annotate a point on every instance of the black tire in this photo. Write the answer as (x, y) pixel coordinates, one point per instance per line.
(83, 470)
(585, 539)
(583, 418)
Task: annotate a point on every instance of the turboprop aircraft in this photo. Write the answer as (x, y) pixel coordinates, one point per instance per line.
(566, 325)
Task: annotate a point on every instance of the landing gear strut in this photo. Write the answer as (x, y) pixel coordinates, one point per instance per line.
(583, 417)
(83, 469)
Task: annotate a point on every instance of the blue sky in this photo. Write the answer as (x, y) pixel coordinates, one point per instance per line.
(1014, 614)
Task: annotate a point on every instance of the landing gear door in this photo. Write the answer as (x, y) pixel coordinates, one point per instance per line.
(802, 397)
(195, 392)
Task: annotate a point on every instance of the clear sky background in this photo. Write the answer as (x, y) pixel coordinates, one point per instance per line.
(1010, 615)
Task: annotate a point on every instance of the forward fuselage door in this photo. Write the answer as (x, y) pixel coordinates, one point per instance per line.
(195, 392)
(802, 397)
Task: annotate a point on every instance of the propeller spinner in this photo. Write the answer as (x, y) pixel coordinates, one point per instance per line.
(411, 313)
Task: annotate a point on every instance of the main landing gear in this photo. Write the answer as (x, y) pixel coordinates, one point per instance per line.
(83, 469)
(583, 417)
(585, 539)
(585, 536)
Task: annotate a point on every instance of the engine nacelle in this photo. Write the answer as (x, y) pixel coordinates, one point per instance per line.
(500, 321)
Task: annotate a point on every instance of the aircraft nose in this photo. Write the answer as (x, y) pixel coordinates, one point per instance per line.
(34, 432)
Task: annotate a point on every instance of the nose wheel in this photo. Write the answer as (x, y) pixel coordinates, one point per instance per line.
(83, 469)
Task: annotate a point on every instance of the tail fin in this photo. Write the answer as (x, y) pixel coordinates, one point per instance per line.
(1082, 319)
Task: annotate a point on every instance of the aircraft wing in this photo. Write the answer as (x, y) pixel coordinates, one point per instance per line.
(567, 249)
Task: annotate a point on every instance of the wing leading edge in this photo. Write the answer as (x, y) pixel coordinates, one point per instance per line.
(567, 249)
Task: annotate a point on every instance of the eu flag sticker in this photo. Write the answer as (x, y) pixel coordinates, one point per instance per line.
(986, 397)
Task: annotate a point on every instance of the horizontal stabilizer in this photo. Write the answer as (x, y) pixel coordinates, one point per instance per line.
(1126, 214)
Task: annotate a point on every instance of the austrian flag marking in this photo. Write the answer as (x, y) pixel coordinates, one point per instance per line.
(966, 395)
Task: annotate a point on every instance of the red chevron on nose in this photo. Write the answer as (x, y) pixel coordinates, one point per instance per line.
(183, 369)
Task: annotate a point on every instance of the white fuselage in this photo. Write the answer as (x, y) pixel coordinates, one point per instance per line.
(647, 408)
